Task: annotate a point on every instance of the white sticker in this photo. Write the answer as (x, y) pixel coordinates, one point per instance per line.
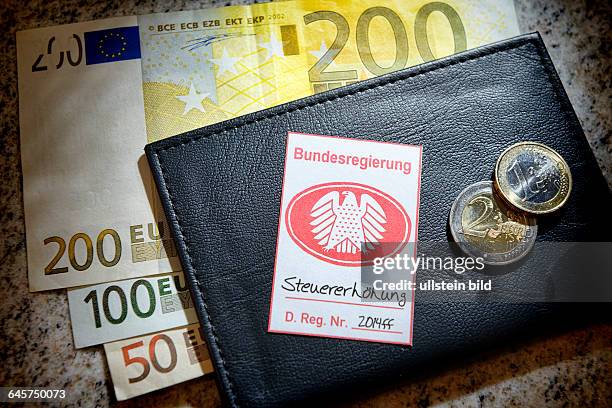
(346, 204)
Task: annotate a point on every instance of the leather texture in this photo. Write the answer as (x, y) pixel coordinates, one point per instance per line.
(221, 189)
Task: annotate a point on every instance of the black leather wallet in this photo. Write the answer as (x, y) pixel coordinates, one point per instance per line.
(221, 189)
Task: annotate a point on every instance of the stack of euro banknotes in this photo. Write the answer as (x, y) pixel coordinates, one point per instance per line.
(92, 94)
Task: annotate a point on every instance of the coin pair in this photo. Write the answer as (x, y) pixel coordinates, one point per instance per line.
(496, 220)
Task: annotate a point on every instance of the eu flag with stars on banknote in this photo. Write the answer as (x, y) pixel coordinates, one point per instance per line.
(115, 44)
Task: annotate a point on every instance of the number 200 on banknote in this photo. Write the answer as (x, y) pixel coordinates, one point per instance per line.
(147, 243)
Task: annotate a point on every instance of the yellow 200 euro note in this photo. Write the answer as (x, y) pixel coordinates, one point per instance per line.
(201, 67)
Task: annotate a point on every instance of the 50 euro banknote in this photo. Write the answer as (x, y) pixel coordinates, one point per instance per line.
(92, 94)
(143, 364)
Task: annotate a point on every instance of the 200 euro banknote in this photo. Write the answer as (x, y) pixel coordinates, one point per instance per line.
(92, 94)
(205, 66)
(91, 211)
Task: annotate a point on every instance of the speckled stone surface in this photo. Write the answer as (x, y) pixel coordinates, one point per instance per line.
(569, 369)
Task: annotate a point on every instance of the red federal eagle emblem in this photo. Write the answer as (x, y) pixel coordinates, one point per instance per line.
(347, 224)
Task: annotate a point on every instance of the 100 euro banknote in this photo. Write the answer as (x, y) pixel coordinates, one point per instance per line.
(118, 310)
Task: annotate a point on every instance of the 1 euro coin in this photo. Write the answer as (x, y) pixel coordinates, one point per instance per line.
(533, 178)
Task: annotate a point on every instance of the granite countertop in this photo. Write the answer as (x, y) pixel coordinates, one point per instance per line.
(565, 369)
